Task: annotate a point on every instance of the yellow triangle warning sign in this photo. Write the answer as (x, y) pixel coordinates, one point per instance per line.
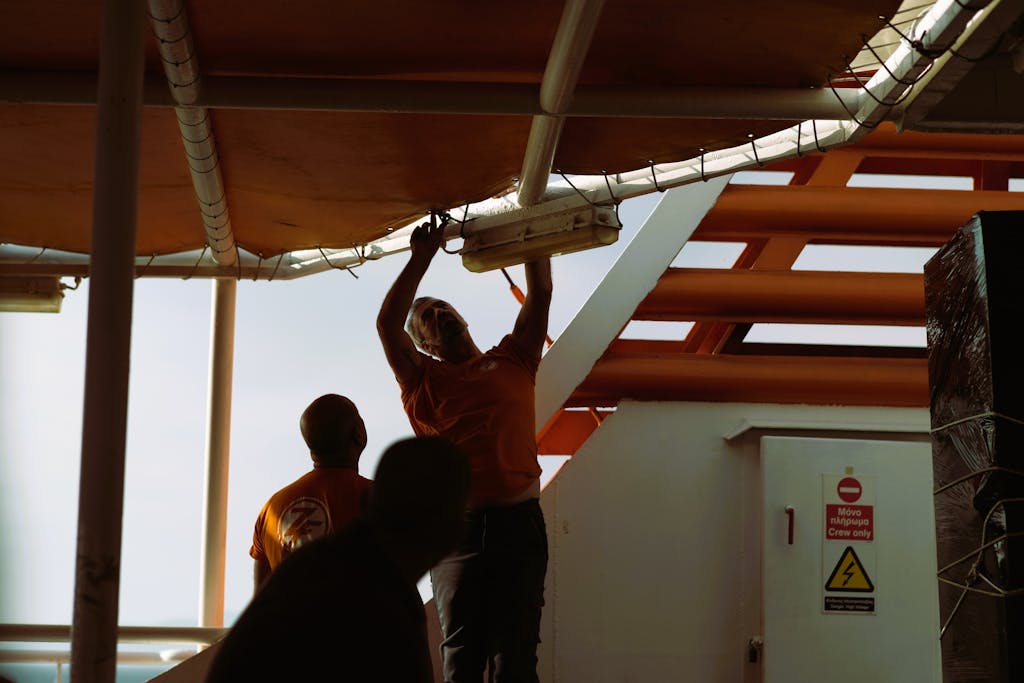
(849, 575)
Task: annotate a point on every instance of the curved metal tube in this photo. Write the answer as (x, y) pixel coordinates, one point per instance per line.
(170, 24)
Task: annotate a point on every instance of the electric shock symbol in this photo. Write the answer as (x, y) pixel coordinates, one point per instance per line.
(849, 575)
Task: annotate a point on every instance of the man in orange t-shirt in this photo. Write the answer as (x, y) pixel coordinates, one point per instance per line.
(490, 591)
(322, 501)
(345, 607)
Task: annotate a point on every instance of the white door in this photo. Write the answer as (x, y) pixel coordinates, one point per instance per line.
(849, 568)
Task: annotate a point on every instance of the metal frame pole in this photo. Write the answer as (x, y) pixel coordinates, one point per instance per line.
(218, 433)
(568, 52)
(108, 342)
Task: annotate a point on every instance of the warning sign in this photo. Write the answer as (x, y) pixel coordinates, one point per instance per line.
(849, 575)
(849, 522)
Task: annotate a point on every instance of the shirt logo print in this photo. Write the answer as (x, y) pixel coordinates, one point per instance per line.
(302, 521)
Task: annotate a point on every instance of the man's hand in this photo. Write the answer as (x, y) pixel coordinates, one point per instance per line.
(426, 239)
(405, 360)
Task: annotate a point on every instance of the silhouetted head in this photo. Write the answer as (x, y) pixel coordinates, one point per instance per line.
(435, 326)
(334, 431)
(420, 492)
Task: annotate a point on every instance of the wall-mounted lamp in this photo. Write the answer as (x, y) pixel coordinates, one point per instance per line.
(548, 235)
(29, 294)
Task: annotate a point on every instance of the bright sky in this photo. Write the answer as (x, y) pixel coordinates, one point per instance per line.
(295, 340)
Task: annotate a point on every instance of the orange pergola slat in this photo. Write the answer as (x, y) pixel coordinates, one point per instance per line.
(848, 215)
(767, 379)
(786, 296)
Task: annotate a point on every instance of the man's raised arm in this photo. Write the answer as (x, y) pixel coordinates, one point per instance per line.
(532, 324)
(398, 347)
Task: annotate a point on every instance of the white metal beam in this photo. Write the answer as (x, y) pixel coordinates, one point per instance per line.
(630, 279)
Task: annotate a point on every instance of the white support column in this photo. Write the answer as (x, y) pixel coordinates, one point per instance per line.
(218, 435)
(630, 279)
(108, 343)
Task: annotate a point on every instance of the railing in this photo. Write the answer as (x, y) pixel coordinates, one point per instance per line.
(199, 637)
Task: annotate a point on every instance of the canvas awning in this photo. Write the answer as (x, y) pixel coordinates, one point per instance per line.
(323, 177)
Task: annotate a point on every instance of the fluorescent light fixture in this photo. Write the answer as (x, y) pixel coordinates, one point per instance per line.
(24, 294)
(548, 235)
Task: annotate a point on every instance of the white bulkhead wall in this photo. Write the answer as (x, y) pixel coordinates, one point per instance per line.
(654, 531)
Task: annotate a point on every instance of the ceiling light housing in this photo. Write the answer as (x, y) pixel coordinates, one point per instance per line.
(540, 236)
(21, 294)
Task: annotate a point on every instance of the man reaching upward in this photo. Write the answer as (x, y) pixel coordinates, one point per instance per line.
(490, 591)
(323, 500)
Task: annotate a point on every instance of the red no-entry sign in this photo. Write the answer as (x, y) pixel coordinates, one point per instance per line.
(849, 490)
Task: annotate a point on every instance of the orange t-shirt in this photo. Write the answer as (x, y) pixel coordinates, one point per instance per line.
(485, 407)
(319, 503)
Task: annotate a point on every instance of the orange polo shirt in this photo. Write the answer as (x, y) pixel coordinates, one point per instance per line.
(322, 501)
(485, 406)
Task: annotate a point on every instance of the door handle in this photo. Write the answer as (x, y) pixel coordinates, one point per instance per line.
(790, 519)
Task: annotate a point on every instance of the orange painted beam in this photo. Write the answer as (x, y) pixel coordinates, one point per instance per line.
(994, 175)
(767, 379)
(850, 215)
(927, 167)
(835, 168)
(569, 431)
(803, 168)
(887, 141)
(645, 346)
(708, 336)
(786, 296)
(909, 146)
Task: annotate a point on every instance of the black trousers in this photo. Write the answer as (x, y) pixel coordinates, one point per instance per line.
(489, 594)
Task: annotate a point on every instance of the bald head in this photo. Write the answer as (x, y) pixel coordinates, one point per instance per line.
(412, 326)
(334, 431)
